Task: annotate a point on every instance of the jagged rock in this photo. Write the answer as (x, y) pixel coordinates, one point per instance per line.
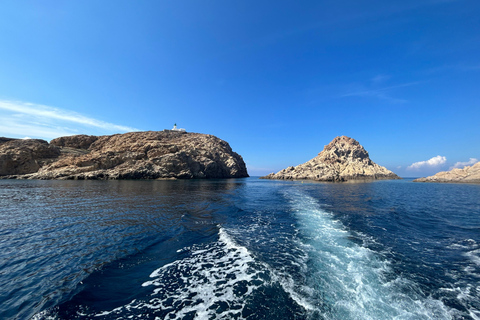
(469, 174)
(342, 159)
(22, 156)
(141, 155)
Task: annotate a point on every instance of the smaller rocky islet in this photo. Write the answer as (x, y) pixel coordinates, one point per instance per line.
(343, 159)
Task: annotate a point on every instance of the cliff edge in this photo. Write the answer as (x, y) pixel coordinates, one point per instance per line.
(134, 155)
(343, 159)
(469, 174)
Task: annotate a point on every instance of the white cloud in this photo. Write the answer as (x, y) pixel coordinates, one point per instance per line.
(40, 121)
(58, 114)
(461, 165)
(433, 162)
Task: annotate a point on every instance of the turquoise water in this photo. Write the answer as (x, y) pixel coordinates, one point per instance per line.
(239, 249)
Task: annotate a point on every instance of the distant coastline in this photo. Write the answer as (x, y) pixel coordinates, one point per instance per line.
(469, 174)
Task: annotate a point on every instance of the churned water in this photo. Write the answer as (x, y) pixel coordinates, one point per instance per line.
(239, 249)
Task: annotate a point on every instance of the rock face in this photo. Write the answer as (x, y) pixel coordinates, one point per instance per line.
(469, 174)
(342, 159)
(80, 141)
(25, 156)
(134, 155)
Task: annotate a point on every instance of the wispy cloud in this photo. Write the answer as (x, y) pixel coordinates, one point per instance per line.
(380, 78)
(29, 119)
(383, 93)
(455, 68)
(431, 163)
(461, 165)
(59, 114)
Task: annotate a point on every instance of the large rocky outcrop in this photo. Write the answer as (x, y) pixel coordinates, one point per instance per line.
(342, 159)
(469, 174)
(18, 156)
(134, 155)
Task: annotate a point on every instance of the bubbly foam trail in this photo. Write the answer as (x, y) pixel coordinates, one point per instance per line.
(213, 282)
(466, 291)
(348, 281)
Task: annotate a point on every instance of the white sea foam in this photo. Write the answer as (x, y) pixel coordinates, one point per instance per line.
(349, 281)
(464, 289)
(474, 256)
(213, 282)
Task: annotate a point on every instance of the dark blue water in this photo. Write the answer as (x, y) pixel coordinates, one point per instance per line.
(239, 249)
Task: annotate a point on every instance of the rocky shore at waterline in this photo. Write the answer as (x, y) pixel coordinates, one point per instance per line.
(469, 174)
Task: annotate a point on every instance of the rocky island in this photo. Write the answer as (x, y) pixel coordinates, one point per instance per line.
(343, 159)
(469, 174)
(136, 155)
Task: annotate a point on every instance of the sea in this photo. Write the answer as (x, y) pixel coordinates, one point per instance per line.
(239, 249)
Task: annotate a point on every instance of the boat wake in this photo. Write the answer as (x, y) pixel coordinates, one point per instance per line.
(350, 281)
(216, 281)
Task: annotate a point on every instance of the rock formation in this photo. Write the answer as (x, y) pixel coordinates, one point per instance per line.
(342, 159)
(134, 155)
(18, 156)
(469, 174)
(80, 141)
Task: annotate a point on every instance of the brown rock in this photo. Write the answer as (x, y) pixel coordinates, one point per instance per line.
(18, 156)
(342, 159)
(142, 155)
(80, 141)
(469, 174)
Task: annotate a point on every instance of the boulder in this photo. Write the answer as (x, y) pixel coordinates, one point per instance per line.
(23, 156)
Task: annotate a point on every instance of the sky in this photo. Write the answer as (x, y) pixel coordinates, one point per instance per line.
(277, 80)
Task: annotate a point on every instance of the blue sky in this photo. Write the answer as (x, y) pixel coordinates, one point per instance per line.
(278, 80)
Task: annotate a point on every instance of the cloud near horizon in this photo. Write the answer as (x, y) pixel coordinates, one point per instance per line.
(20, 119)
(431, 163)
(461, 165)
